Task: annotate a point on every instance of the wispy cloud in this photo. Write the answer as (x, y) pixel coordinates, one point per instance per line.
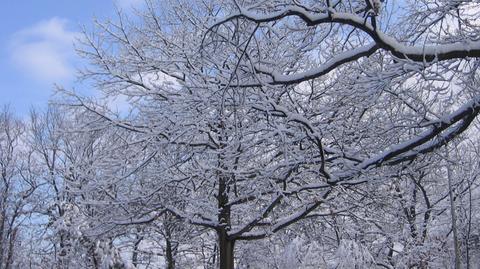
(45, 51)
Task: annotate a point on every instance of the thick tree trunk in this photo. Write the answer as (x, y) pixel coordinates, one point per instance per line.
(226, 248)
(169, 253)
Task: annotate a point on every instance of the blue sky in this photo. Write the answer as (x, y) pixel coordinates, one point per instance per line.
(36, 46)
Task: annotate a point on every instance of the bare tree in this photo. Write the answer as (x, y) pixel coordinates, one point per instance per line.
(16, 188)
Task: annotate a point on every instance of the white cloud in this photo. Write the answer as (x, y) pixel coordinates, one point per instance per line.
(45, 50)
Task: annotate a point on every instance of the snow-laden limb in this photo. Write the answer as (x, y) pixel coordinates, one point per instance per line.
(285, 221)
(278, 78)
(466, 112)
(426, 52)
(251, 224)
(198, 219)
(149, 218)
(423, 53)
(442, 139)
(440, 132)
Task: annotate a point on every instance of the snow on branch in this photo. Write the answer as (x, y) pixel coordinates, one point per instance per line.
(418, 53)
(444, 130)
(340, 59)
(288, 220)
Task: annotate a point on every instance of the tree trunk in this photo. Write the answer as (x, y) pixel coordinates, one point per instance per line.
(3, 238)
(169, 253)
(225, 245)
(453, 213)
(226, 248)
(135, 251)
(11, 246)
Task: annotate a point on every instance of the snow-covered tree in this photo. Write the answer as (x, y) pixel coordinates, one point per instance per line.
(246, 118)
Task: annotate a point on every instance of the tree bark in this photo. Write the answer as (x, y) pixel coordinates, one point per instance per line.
(11, 245)
(226, 248)
(225, 245)
(169, 253)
